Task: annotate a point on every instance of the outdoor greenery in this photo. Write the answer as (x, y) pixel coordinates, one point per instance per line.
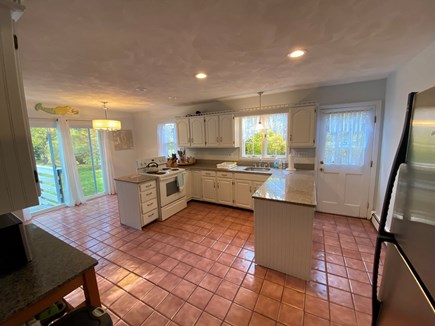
(275, 144)
(44, 138)
(87, 179)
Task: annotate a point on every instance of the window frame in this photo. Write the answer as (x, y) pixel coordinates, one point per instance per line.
(264, 156)
(162, 146)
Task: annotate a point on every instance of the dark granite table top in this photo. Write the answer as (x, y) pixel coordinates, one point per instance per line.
(54, 263)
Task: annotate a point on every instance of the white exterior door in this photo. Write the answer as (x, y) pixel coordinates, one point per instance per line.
(344, 160)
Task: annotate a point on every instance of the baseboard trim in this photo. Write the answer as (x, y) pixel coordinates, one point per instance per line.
(374, 218)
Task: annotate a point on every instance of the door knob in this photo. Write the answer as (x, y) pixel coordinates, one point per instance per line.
(321, 169)
(321, 162)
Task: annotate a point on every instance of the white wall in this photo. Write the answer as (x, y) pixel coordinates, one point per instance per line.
(124, 161)
(416, 75)
(145, 123)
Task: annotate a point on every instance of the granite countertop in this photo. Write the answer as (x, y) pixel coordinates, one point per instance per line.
(53, 263)
(295, 187)
(136, 178)
(291, 187)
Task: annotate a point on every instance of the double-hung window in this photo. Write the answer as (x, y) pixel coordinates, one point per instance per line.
(167, 136)
(264, 136)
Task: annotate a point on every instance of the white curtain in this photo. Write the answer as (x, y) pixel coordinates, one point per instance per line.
(167, 137)
(346, 137)
(73, 193)
(107, 162)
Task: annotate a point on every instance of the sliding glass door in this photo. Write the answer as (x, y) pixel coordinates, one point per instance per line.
(88, 159)
(46, 149)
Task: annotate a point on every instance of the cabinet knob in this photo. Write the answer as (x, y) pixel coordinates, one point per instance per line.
(321, 169)
(321, 162)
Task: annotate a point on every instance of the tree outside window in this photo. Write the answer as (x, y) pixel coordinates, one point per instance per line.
(269, 142)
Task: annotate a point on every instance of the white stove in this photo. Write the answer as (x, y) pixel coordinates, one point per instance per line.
(156, 167)
(170, 185)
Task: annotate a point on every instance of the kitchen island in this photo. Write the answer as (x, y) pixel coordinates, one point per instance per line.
(283, 223)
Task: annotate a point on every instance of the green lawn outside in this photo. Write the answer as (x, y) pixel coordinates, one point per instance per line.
(87, 179)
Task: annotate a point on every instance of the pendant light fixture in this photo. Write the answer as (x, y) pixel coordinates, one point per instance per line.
(259, 125)
(106, 124)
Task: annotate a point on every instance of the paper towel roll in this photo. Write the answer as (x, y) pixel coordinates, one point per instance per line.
(291, 165)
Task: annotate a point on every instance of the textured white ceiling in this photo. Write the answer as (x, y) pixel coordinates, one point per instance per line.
(78, 52)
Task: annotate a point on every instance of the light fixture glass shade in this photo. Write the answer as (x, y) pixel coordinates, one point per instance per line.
(105, 124)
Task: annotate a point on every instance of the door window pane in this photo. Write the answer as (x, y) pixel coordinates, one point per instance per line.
(88, 159)
(46, 151)
(346, 137)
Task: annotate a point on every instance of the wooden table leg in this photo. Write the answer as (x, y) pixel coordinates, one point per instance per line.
(90, 288)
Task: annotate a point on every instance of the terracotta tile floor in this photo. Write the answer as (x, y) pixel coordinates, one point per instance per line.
(197, 268)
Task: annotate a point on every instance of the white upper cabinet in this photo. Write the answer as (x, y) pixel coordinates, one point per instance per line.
(183, 132)
(212, 131)
(302, 127)
(227, 131)
(18, 186)
(208, 131)
(197, 133)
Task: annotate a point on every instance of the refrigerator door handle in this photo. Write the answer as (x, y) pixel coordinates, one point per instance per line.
(384, 236)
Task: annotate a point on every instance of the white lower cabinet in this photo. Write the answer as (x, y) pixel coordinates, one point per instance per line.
(227, 188)
(196, 182)
(224, 181)
(209, 192)
(243, 194)
(188, 184)
(137, 203)
(245, 185)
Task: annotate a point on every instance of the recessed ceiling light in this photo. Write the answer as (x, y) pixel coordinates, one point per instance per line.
(141, 89)
(172, 97)
(296, 53)
(201, 75)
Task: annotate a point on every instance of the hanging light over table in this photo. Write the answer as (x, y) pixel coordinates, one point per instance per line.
(106, 124)
(259, 125)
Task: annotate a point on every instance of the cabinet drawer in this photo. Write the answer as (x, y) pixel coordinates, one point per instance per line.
(251, 176)
(148, 194)
(208, 173)
(149, 205)
(224, 175)
(147, 185)
(150, 216)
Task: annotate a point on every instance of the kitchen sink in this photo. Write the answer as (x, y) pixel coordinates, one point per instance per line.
(253, 168)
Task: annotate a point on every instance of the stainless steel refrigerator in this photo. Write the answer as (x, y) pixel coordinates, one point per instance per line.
(407, 285)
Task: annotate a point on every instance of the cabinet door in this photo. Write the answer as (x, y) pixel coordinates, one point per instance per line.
(183, 134)
(196, 185)
(212, 131)
(197, 134)
(18, 187)
(302, 127)
(209, 189)
(188, 184)
(226, 130)
(225, 191)
(243, 193)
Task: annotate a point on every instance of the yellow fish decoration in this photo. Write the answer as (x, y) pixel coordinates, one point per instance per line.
(58, 110)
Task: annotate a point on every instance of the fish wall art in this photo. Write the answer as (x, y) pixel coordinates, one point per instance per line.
(58, 110)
